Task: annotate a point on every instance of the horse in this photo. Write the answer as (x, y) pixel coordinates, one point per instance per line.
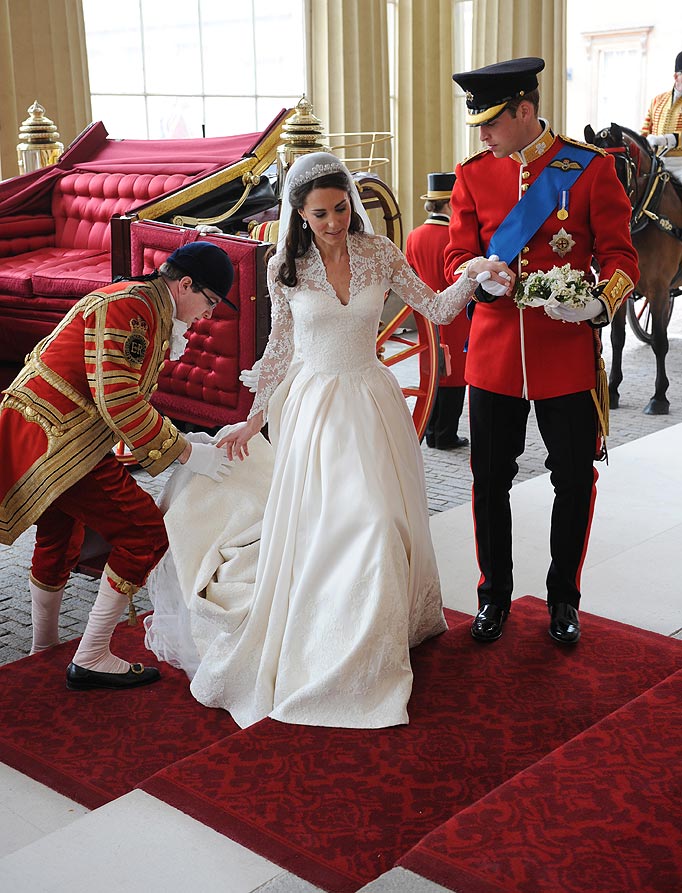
(656, 228)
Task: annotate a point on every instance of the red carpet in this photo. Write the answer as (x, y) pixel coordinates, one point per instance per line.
(340, 807)
(573, 823)
(95, 746)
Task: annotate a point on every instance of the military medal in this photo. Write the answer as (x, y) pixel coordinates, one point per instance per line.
(562, 242)
(562, 213)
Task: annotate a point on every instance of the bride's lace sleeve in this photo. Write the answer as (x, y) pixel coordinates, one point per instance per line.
(280, 347)
(440, 307)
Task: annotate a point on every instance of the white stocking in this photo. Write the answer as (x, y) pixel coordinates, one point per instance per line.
(45, 605)
(93, 652)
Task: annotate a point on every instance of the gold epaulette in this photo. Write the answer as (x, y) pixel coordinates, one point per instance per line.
(475, 155)
(596, 149)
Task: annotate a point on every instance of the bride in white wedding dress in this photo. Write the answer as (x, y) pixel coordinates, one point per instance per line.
(346, 579)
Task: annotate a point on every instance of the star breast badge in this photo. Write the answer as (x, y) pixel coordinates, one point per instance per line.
(562, 242)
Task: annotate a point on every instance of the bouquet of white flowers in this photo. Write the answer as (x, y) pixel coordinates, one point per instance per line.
(561, 285)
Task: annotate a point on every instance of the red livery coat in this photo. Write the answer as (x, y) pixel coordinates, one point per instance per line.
(83, 388)
(526, 353)
(424, 251)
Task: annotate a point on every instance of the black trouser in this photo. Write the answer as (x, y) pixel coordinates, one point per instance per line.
(498, 433)
(441, 429)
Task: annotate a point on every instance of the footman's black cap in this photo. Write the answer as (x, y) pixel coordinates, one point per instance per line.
(489, 89)
(208, 265)
(678, 62)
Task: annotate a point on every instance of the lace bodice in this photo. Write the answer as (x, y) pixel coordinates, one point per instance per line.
(312, 326)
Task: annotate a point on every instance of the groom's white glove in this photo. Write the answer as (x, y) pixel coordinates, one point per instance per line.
(208, 460)
(249, 377)
(662, 140)
(575, 314)
(489, 285)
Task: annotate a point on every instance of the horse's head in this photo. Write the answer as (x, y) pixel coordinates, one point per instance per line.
(607, 138)
(631, 153)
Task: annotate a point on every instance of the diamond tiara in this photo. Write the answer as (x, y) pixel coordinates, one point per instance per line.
(317, 170)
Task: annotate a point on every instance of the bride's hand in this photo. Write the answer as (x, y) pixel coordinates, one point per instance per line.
(237, 442)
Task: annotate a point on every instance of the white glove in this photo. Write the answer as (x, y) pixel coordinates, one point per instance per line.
(249, 377)
(664, 140)
(574, 314)
(206, 229)
(493, 288)
(198, 437)
(207, 459)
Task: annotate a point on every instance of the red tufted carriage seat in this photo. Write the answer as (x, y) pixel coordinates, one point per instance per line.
(56, 246)
(55, 235)
(203, 387)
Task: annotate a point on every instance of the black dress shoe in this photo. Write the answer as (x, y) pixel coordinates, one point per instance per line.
(564, 626)
(488, 623)
(452, 444)
(81, 679)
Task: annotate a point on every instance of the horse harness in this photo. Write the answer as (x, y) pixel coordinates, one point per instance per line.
(647, 204)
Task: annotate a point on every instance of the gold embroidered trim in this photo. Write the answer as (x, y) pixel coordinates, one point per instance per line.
(616, 290)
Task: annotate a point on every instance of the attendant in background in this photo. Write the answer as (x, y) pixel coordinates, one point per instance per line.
(663, 123)
(424, 253)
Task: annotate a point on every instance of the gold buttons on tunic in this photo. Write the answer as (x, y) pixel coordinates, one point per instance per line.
(154, 455)
(167, 444)
(165, 345)
(161, 366)
(525, 175)
(524, 263)
(524, 186)
(525, 250)
(524, 275)
(153, 388)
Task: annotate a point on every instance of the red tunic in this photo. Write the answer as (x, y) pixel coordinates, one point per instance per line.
(83, 388)
(526, 353)
(424, 253)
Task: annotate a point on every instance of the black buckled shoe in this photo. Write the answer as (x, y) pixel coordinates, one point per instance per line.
(488, 623)
(82, 679)
(564, 626)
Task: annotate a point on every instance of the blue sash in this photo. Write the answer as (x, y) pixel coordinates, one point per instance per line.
(528, 214)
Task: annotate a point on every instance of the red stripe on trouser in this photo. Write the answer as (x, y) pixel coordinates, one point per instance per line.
(109, 501)
(587, 530)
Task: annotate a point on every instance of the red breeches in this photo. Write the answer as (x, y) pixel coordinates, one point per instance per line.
(109, 501)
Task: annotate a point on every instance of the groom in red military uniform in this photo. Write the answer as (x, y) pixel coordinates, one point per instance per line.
(83, 388)
(530, 201)
(424, 252)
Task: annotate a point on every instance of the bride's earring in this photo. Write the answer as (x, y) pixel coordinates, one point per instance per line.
(305, 224)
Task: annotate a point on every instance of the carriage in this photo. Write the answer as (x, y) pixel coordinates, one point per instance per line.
(102, 211)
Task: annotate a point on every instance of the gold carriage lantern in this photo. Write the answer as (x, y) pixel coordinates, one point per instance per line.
(300, 135)
(39, 144)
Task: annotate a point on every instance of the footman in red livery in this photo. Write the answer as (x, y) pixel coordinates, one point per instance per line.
(530, 201)
(83, 388)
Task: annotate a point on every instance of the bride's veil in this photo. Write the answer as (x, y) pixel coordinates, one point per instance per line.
(310, 167)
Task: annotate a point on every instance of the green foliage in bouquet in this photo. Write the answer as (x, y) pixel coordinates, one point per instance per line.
(560, 285)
